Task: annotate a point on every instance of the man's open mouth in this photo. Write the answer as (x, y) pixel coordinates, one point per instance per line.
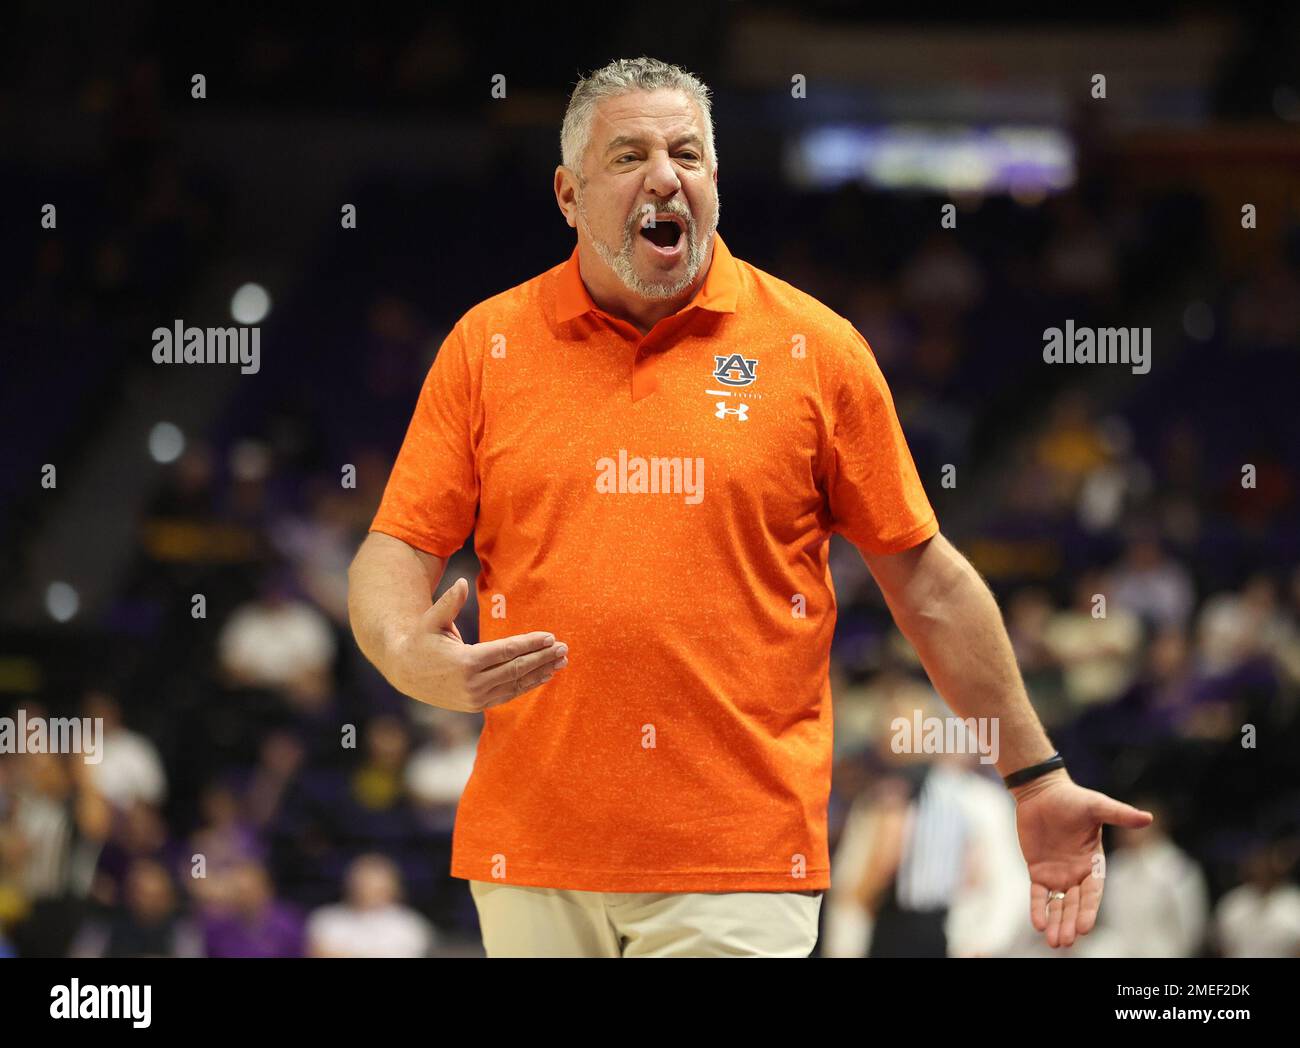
(666, 231)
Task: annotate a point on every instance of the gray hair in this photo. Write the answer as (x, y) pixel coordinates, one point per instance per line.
(618, 78)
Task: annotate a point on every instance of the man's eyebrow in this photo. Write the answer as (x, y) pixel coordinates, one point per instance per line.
(639, 140)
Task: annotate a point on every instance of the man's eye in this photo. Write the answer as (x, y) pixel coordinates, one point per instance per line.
(688, 155)
(626, 156)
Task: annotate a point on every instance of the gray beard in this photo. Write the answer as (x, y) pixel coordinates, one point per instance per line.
(621, 263)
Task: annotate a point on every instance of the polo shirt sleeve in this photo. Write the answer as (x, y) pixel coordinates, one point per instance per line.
(431, 498)
(875, 496)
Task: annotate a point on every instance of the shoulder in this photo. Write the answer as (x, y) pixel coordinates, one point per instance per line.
(786, 304)
(328, 919)
(1235, 900)
(829, 340)
(506, 308)
(505, 315)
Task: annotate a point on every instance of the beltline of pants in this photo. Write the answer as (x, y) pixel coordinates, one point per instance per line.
(519, 921)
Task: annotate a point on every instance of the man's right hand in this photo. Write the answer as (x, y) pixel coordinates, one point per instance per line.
(430, 662)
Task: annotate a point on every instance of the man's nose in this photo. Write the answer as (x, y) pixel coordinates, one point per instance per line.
(660, 178)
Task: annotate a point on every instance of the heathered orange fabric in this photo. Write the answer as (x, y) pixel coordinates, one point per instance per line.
(687, 746)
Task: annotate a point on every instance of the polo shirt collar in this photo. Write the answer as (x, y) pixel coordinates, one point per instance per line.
(719, 293)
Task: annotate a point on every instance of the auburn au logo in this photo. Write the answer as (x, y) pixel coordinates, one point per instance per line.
(735, 370)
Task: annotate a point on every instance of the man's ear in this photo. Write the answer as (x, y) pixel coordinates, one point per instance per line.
(565, 198)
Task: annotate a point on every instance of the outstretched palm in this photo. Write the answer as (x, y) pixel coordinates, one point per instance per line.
(1060, 825)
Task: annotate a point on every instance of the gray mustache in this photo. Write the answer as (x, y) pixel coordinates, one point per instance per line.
(634, 222)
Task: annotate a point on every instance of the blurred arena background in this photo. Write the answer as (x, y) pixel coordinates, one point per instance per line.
(224, 732)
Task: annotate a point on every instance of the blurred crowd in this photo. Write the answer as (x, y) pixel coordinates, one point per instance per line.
(265, 793)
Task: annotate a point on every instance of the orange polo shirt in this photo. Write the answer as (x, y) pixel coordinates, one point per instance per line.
(663, 505)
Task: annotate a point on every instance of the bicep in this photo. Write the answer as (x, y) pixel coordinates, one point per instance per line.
(910, 577)
(929, 583)
(874, 495)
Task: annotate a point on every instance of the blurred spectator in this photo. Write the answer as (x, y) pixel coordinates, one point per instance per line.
(57, 825)
(148, 922)
(1112, 489)
(14, 903)
(225, 840)
(1152, 585)
(1098, 652)
(1235, 627)
(62, 821)
(1072, 446)
(859, 711)
(1261, 917)
(251, 922)
(1171, 692)
(280, 760)
(437, 772)
(131, 769)
(370, 922)
(321, 544)
(1156, 899)
(279, 642)
(1029, 611)
(139, 832)
(380, 781)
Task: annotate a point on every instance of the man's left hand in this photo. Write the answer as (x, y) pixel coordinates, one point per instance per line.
(1060, 823)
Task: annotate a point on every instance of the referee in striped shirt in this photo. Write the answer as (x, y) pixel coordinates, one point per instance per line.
(917, 861)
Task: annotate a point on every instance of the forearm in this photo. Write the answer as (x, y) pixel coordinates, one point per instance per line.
(388, 591)
(948, 614)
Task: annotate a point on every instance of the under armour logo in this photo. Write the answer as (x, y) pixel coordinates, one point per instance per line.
(723, 411)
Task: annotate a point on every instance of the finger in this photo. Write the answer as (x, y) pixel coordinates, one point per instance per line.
(442, 612)
(513, 689)
(1038, 907)
(485, 655)
(1090, 902)
(1116, 813)
(517, 669)
(1070, 916)
(1054, 911)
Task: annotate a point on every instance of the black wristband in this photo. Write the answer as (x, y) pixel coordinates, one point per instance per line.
(1024, 775)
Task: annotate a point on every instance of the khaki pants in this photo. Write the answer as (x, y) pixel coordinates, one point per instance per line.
(551, 922)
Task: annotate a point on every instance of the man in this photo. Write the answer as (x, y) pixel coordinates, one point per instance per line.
(652, 444)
